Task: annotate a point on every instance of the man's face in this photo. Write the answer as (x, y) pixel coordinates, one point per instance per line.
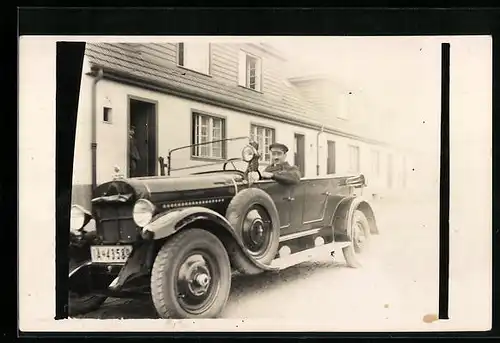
(131, 132)
(278, 156)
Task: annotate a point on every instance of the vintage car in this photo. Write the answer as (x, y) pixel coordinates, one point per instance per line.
(178, 239)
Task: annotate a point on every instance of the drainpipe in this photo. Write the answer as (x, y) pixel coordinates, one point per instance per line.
(317, 149)
(93, 144)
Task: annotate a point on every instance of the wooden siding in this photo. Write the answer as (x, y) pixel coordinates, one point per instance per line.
(160, 53)
(224, 62)
(157, 62)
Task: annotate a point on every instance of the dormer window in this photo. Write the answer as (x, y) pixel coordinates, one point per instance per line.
(345, 108)
(194, 56)
(250, 71)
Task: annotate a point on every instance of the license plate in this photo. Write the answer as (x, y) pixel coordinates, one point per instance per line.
(110, 254)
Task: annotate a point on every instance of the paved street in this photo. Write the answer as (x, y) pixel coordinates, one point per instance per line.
(398, 280)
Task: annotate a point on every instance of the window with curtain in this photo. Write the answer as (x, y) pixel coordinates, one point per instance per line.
(250, 71)
(264, 136)
(206, 129)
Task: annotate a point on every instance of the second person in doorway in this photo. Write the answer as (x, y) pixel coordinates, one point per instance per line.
(134, 155)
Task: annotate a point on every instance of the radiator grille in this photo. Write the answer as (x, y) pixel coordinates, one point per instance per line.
(115, 223)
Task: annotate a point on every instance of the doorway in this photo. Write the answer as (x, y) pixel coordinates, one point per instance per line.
(330, 165)
(299, 157)
(142, 119)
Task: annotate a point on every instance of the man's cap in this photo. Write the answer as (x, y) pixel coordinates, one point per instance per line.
(279, 146)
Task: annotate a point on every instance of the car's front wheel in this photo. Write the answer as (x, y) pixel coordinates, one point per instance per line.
(191, 276)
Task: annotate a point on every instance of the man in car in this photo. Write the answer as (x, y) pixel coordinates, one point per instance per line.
(280, 170)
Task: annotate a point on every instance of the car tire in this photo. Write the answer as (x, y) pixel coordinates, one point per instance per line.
(78, 305)
(237, 214)
(357, 248)
(176, 271)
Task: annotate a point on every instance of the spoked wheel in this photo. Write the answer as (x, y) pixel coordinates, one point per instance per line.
(359, 241)
(361, 232)
(80, 300)
(257, 232)
(255, 218)
(191, 276)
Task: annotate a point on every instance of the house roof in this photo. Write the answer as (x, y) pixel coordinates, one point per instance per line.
(309, 77)
(128, 62)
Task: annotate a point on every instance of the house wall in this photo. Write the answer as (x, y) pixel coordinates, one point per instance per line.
(174, 120)
(82, 177)
(174, 127)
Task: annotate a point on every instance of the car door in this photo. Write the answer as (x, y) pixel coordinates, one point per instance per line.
(315, 200)
(282, 196)
(297, 209)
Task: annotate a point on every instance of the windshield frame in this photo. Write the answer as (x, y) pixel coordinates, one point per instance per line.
(168, 164)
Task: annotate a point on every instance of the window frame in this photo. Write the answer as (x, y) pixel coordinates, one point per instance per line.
(328, 164)
(107, 111)
(353, 147)
(245, 83)
(208, 72)
(196, 150)
(262, 147)
(344, 113)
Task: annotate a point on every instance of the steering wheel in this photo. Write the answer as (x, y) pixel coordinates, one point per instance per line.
(230, 160)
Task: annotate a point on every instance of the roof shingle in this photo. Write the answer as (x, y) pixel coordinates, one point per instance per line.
(130, 59)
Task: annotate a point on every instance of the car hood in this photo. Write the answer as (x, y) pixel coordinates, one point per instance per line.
(166, 188)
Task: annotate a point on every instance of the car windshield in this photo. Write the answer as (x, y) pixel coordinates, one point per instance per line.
(206, 156)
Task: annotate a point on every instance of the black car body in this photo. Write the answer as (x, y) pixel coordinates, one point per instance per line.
(148, 229)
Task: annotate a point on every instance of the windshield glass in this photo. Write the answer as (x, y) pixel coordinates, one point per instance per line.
(207, 156)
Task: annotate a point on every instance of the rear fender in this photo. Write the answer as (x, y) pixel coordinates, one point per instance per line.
(174, 221)
(342, 218)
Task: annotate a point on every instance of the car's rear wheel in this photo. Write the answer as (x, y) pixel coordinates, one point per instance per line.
(254, 216)
(80, 299)
(360, 239)
(191, 276)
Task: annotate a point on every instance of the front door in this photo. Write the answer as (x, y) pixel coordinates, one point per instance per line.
(142, 159)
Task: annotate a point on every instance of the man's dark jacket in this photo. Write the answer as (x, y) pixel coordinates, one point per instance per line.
(284, 173)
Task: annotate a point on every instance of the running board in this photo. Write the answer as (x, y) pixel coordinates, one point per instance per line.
(306, 255)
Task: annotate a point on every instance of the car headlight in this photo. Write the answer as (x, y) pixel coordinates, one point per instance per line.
(78, 218)
(248, 153)
(143, 212)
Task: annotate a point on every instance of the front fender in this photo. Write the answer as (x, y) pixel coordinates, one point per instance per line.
(169, 222)
(342, 218)
(175, 220)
